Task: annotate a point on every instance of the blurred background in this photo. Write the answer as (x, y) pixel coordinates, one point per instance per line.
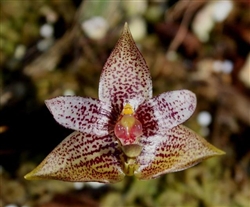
(58, 47)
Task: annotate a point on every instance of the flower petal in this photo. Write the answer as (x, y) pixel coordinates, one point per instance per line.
(82, 157)
(86, 115)
(125, 77)
(180, 149)
(166, 111)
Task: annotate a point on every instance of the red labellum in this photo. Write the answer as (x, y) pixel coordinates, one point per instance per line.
(128, 128)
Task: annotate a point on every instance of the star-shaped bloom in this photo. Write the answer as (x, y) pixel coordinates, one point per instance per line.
(125, 131)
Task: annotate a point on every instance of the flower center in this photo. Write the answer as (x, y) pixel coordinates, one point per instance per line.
(128, 128)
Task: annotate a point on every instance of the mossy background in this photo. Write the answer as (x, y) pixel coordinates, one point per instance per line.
(72, 63)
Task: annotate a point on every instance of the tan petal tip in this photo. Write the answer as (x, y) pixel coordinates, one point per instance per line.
(220, 152)
(126, 29)
(29, 176)
(33, 175)
(215, 151)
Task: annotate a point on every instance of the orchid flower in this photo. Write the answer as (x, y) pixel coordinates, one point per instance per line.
(126, 131)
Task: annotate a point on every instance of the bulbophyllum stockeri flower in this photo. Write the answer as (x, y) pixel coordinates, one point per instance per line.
(125, 131)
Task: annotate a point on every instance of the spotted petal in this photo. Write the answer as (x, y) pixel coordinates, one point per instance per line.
(166, 111)
(125, 76)
(179, 149)
(86, 115)
(82, 157)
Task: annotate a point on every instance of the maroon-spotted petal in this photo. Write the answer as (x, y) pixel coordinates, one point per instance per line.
(82, 157)
(86, 115)
(179, 149)
(166, 111)
(125, 77)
